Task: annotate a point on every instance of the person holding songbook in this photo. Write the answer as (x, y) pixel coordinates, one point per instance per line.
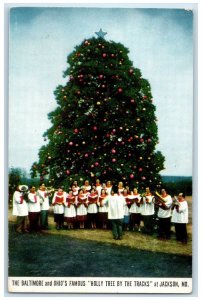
(108, 187)
(98, 186)
(102, 209)
(120, 187)
(135, 209)
(81, 213)
(92, 208)
(126, 219)
(70, 210)
(180, 218)
(34, 210)
(58, 203)
(164, 215)
(147, 212)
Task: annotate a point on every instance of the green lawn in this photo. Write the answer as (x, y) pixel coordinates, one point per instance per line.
(94, 253)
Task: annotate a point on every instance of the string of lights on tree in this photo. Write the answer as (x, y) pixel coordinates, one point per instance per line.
(104, 125)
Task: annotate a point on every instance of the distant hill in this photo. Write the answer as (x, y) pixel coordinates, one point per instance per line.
(176, 178)
(178, 184)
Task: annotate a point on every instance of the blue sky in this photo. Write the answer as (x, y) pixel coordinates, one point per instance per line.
(160, 44)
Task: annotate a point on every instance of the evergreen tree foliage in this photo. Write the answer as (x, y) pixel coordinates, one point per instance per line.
(104, 125)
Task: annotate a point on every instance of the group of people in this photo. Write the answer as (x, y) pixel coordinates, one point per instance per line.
(102, 205)
(32, 204)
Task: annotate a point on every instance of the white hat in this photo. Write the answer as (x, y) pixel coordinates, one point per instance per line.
(23, 188)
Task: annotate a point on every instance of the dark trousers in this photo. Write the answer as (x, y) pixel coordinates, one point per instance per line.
(135, 218)
(59, 220)
(164, 227)
(181, 232)
(148, 224)
(44, 219)
(117, 228)
(20, 224)
(92, 217)
(34, 221)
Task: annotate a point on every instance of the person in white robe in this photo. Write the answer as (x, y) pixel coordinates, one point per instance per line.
(164, 216)
(58, 203)
(147, 212)
(34, 210)
(135, 209)
(180, 218)
(70, 210)
(92, 208)
(20, 209)
(43, 195)
(116, 205)
(81, 211)
(102, 210)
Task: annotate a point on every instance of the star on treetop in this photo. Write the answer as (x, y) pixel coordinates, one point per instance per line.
(101, 33)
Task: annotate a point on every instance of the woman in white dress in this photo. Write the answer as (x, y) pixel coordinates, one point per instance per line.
(81, 213)
(70, 210)
(58, 203)
(135, 209)
(102, 209)
(126, 220)
(92, 208)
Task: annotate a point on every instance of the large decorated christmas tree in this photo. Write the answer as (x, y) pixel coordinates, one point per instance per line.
(104, 125)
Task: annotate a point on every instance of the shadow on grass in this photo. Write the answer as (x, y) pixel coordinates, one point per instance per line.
(62, 256)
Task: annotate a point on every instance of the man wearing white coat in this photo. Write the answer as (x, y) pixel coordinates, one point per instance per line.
(116, 205)
(20, 209)
(164, 215)
(180, 218)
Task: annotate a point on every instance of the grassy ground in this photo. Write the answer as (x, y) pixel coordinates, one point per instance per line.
(61, 255)
(94, 253)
